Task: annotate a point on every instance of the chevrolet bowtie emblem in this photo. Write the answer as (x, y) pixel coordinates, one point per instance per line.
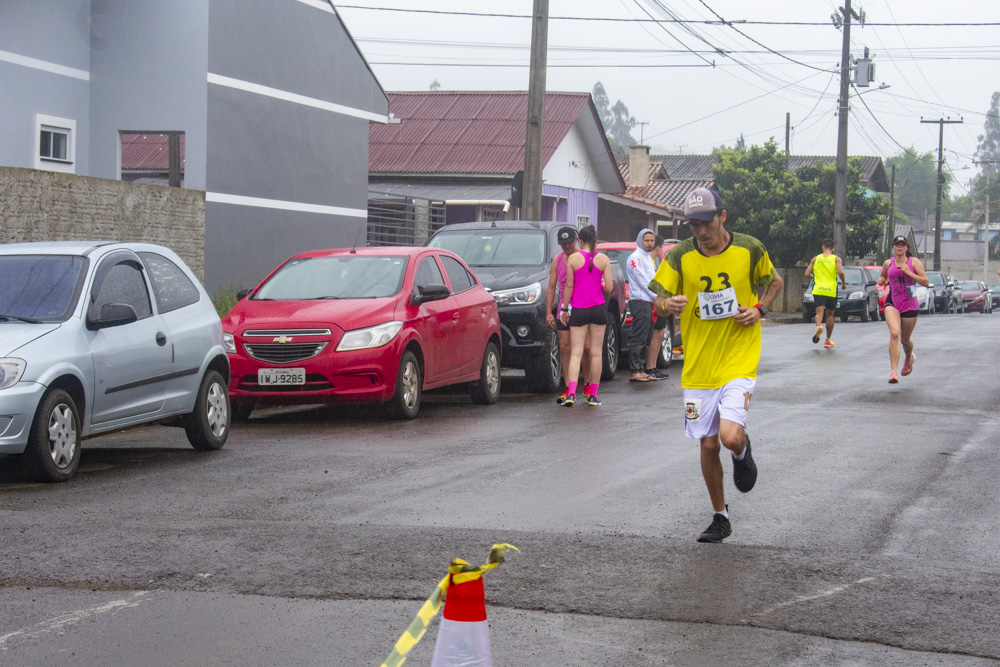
(282, 339)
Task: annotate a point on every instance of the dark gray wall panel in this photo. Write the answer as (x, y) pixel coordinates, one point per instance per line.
(243, 244)
(293, 47)
(263, 147)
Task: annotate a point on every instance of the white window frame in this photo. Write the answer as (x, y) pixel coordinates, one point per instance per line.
(582, 221)
(66, 126)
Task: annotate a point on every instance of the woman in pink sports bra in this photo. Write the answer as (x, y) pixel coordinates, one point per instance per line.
(588, 277)
(901, 272)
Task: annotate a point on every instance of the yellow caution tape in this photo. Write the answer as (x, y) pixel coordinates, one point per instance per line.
(459, 572)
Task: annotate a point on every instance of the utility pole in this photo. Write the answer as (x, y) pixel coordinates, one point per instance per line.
(642, 130)
(890, 226)
(680, 148)
(840, 186)
(532, 197)
(940, 184)
(788, 131)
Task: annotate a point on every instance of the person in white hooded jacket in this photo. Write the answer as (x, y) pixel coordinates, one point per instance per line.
(640, 268)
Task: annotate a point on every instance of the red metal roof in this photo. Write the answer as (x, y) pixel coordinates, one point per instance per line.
(148, 151)
(466, 132)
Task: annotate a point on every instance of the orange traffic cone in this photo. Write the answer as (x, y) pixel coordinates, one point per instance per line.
(464, 637)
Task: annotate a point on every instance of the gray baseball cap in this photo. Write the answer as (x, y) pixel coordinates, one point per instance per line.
(702, 204)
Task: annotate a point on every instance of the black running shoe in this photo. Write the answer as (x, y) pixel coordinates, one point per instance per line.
(570, 400)
(718, 530)
(745, 471)
(655, 373)
(562, 398)
(593, 400)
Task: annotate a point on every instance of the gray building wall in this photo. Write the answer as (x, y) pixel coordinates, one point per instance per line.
(148, 73)
(149, 64)
(259, 146)
(28, 29)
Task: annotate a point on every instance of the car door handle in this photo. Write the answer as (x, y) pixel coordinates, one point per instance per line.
(161, 338)
(454, 318)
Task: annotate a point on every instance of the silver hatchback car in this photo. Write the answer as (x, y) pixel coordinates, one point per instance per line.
(97, 336)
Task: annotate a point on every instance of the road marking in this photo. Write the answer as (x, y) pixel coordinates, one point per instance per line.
(805, 598)
(60, 623)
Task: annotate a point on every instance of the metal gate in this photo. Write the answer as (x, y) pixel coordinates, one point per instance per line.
(395, 220)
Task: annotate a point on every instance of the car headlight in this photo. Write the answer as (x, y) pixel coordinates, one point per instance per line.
(521, 296)
(376, 336)
(857, 295)
(808, 298)
(229, 342)
(11, 370)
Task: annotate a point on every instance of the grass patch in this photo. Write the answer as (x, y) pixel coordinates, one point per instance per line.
(224, 299)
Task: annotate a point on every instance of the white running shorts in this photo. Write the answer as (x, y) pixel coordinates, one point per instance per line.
(703, 408)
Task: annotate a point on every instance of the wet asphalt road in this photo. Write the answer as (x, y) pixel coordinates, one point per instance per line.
(312, 538)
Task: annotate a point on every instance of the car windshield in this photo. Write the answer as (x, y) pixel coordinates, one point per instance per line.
(341, 277)
(875, 271)
(993, 288)
(970, 287)
(495, 248)
(40, 287)
(935, 278)
(853, 276)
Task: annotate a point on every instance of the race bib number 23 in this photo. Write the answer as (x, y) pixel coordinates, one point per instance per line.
(718, 305)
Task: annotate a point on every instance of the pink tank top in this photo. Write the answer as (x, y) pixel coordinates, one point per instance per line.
(587, 290)
(899, 284)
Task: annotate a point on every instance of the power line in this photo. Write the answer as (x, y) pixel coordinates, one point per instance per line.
(876, 118)
(613, 19)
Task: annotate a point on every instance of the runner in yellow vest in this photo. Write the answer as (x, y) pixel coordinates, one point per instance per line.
(826, 267)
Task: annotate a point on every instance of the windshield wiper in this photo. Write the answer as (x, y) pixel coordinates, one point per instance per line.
(29, 320)
(321, 298)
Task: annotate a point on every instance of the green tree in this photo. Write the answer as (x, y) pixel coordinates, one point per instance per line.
(792, 212)
(617, 122)
(916, 183)
(988, 156)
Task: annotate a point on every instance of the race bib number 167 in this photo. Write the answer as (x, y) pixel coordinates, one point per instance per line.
(718, 305)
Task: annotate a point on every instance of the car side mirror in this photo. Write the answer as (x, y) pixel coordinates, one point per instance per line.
(951, 284)
(426, 293)
(243, 293)
(114, 315)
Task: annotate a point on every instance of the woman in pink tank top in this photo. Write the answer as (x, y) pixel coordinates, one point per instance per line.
(901, 272)
(584, 310)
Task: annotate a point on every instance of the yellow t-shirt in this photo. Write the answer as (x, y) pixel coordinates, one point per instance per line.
(716, 350)
(825, 275)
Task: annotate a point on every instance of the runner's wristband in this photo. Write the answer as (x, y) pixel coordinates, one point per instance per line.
(762, 308)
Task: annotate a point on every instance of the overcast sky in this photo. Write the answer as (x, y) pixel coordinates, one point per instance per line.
(932, 72)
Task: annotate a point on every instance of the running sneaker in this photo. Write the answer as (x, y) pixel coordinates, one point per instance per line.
(908, 364)
(655, 374)
(718, 530)
(570, 400)
(745, 471)
(593, 400)
(817, 334)
(829, 344)
(562, 399)
(892, 378)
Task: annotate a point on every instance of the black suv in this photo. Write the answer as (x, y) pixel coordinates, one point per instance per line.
(946, 299)
(512, 260)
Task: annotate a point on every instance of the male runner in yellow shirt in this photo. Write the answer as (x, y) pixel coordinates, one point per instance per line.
(826, 268)
(711, 280)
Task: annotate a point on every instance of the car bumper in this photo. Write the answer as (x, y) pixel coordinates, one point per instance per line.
(17, 409)
(358, 376)
(524, 334)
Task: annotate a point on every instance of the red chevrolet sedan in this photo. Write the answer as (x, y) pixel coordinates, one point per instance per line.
(364, 325)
